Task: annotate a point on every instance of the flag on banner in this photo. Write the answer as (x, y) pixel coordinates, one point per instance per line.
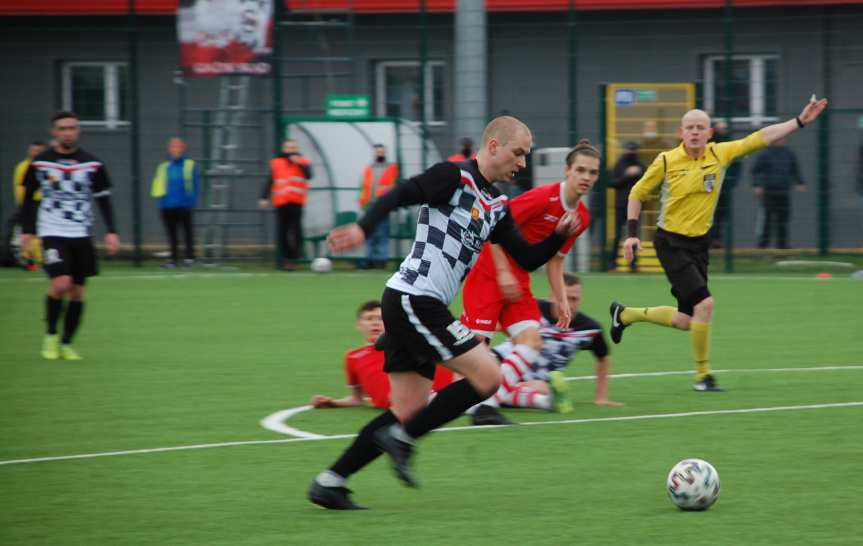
(219, 37)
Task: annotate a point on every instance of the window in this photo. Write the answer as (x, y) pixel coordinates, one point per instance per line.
(754, 83)
(97, 92)
(398, 90)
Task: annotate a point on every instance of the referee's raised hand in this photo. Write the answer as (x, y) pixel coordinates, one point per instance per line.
(346, 237)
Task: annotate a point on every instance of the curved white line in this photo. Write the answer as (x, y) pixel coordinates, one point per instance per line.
(277, 423)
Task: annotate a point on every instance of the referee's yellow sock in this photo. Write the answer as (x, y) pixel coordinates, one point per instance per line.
(657, 315)
(700, 335)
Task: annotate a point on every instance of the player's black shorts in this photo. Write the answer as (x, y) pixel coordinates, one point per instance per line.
(420, 333)
(74, 256)
(685, 261)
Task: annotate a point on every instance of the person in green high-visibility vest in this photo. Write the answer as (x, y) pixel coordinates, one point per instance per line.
(176, 186)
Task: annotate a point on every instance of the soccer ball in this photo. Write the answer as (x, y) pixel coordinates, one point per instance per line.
(693, 484)
(321, 265)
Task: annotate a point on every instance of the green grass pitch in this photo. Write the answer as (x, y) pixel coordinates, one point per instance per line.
(197, 358)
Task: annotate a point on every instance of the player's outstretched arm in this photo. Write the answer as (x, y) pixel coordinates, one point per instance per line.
(602, 366)
(354, 399)
(506, 281)
(810, 113)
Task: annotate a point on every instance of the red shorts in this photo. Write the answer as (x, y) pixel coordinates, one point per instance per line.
(485, 310)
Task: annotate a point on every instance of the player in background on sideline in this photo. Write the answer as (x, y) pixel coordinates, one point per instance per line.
(559, 347)
(497, 291)
(461, 209)
(691, 176)
(69, 179)
(364, 367)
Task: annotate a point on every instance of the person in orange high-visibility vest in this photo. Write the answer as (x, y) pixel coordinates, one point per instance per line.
(379, 177)
(287, 187)
(466, 151)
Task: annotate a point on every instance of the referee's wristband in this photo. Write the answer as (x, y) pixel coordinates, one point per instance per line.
(632, 228)
(799, 123)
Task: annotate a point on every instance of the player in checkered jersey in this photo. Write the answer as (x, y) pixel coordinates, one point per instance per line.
(497, 291)
(69, 179)
(544, 386)
(460, 211)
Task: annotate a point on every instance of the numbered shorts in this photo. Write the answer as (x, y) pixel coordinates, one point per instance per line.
(420, 333)
(73, 256)
(485, 308)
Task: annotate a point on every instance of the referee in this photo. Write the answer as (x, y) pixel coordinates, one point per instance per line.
(69, 179)
(691, 178)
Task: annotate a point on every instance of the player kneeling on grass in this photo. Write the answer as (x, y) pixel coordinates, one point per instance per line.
(544, 386)
(364, 367)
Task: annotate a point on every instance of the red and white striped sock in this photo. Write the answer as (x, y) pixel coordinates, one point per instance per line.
(528, 397)
(515, 365)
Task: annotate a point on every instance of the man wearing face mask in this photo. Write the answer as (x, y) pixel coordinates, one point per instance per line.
(466, 151)
(288, 183)
(379, 177)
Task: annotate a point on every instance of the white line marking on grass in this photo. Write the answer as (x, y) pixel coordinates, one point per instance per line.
(347, 436)
(746, 370)
(277, 422)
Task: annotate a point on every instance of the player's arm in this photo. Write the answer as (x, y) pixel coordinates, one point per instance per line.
(102, 196)
(554, 272)
(352, 400)
(506, 281)
(530, 257)
(434, 186)
(28, 203)
(599, 347)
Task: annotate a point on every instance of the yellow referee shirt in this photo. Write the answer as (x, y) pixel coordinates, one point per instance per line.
(690, 187)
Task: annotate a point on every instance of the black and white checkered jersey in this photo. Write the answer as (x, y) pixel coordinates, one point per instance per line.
(560, 345)
(461, 211)
(69, 183)
(450, 235)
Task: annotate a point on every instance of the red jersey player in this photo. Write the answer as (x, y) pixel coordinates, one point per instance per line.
(497, 291)
(364, 367)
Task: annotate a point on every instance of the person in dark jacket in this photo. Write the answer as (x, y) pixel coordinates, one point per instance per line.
(625, 174)
(774, 173)
(732, 176)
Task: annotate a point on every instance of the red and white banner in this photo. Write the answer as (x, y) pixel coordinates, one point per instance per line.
(219, 37)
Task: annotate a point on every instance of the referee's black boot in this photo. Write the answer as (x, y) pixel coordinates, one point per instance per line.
(707, 384)
(333, 498)
(399, 450)
(617, 327)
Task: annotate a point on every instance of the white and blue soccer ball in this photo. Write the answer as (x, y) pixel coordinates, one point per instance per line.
(693, 484)
(321, 265)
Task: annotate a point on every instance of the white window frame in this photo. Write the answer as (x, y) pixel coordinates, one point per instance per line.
(757, 88)
(428, 92)
(111, 70)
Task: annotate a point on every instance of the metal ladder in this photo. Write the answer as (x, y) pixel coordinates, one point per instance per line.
(223, 167)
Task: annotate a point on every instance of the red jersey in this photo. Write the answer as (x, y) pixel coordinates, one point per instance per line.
(536, 213)
(364, 367)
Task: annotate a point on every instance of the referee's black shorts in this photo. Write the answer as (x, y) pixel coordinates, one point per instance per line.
(420, 333)
(684, 260)
(73, 256)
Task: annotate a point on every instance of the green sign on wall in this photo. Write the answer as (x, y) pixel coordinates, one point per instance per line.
(348, 106)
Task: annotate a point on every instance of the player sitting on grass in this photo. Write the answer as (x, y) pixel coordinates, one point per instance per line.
(544, 385)
(364, 367)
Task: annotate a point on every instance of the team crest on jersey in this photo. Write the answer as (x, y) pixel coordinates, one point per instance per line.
(709, 182)
(471, 240)
(474, 213)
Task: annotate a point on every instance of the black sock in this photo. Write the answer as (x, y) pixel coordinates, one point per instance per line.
(446, 406)
(53, 308)
(363, 450)
(73, 318)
